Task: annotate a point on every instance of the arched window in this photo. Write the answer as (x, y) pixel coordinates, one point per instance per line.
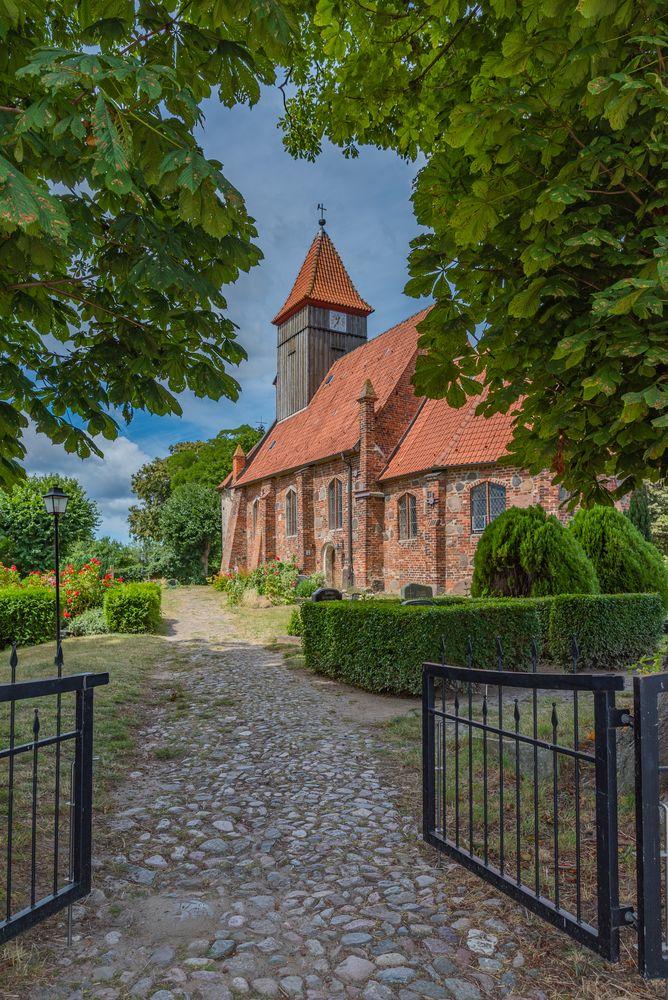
(290, 513)
(488, 500)
(335, 504)
(407, 516)
(254, 513)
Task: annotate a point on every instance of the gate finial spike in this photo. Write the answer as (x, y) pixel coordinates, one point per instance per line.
(36, 724)
(499, 652)
(14, 658)
(59, 659)
(534, 656)
(442, 650)
(469, 652)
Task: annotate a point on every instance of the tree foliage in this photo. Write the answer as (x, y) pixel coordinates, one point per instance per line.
(639, 513)
(525, 553)
(543, 197)
(190, 526)
(117, 233)
(27, 529)
(204, 462)
(625, 562)
(657, 496)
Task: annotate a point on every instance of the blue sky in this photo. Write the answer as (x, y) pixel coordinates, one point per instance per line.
(370, 220)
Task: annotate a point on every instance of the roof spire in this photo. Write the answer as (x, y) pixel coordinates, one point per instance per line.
(322, 220)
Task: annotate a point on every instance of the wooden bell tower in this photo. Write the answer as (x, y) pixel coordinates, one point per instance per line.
(323, 318)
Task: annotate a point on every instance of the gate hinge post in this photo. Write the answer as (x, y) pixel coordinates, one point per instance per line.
(624, 916)
(618, 717)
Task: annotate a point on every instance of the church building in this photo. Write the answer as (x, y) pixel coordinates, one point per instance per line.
(358, 477)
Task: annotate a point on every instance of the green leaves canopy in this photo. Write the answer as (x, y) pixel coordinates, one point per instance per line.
(116, 233)
(545, 200)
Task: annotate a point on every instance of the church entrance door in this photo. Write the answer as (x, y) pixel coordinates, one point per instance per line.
(331, 566)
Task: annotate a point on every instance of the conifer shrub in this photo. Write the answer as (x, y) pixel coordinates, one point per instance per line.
(295, 626)
(27, 615)
(624, 561)
(526, 553)
(612, 630)
(133, 608)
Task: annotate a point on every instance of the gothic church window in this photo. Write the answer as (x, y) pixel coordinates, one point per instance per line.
(335, 504)
(488, 500)
(254, 514)
(290, 513)
(407, 516)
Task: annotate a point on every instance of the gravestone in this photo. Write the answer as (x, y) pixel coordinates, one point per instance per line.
(327, 594)
(419, 601)
(412, 591)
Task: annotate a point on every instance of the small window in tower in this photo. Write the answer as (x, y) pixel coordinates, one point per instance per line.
(330, 378)
(272, 445)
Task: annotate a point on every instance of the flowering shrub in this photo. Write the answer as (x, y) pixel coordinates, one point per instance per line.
(275, 580)
(9, 576)
(86, 587)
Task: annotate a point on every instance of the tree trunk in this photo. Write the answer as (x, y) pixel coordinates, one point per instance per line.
(206, 549)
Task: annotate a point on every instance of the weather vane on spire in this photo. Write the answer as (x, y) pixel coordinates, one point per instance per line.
(322, 210)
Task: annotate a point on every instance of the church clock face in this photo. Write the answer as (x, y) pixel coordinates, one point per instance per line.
(337, 321)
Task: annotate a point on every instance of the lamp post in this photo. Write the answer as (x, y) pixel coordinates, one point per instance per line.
(56, 502)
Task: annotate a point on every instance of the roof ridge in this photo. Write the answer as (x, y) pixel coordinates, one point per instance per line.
(314, 270)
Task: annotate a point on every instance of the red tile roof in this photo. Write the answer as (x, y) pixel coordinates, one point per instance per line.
(442, 436)
(330, 423)
(323, 281)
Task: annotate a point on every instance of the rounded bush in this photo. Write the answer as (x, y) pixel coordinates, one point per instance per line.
(624, 561)
(525, 553)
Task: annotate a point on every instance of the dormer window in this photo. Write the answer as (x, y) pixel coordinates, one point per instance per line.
(408, 526)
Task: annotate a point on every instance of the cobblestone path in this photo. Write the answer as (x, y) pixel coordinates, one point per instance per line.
(264, 855)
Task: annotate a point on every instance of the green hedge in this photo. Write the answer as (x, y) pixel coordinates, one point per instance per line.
(27, 615)
(612, 630)
(133, 607)
(381, 646)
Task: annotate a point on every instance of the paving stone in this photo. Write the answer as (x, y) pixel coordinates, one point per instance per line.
(274, 859)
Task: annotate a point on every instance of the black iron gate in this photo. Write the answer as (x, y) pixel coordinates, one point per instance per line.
(522, 791)
(651, 742)
(46, 774)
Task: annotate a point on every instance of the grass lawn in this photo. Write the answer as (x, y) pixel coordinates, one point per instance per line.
(120, 708)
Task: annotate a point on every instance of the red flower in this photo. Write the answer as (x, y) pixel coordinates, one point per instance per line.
(66, 614)
(13, 568)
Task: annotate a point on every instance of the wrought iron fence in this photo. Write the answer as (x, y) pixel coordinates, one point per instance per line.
(49, 739)
(651, 742)
(520, 786)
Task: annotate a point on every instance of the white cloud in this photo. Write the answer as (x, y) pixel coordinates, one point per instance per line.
(105, 480)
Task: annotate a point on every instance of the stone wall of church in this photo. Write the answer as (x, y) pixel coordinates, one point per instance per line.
(441, 554)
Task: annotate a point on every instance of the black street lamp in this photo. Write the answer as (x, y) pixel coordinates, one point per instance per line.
(56, 502)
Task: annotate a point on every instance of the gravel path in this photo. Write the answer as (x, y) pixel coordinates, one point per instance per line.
(269, 857)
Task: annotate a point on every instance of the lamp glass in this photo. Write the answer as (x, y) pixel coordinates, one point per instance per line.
(56, 501)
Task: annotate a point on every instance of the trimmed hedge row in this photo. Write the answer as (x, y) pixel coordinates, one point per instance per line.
(612, 630)
(134, 607)
(380, 646)
(27, 615)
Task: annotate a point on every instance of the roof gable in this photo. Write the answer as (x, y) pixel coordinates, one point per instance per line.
(442, 436)
(323, 281)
